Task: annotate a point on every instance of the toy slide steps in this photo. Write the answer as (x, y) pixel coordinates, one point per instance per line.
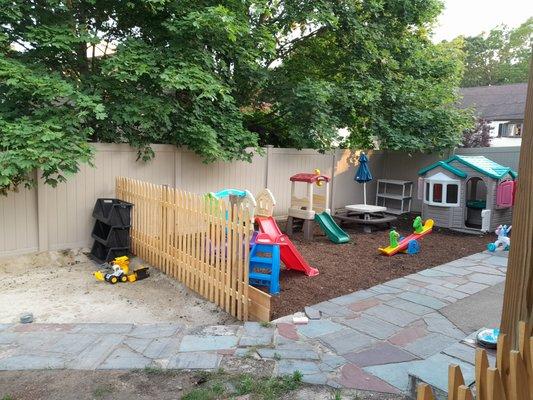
(390, 251)
(331, 229)
(289, 255)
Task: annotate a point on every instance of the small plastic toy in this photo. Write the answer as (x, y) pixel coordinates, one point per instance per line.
(393, 238)
(417, 225)
(488, 338)
(410, 243)
(503, 238)
(413, 247)
(119, 271)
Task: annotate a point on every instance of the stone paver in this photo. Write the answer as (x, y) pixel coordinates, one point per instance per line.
(332, 310)
(392, 315)
(409, 334)
(355, 378)
(347, 340)
(409, 306)
(429, 345)
(382, 353)
(124, 358)
(367, 340)
(256, 335)
(207, 361)
(423, 300)
(487, 279)
(438, 323)
(352, 297)
(395, 374)
(372, 326)
(207, 343)
(319, 328)
(292, 352)
(471, 287)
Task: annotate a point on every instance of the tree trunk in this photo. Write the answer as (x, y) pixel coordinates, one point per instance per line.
(518, 295)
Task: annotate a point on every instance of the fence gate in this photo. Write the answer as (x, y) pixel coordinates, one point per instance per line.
(198, 240)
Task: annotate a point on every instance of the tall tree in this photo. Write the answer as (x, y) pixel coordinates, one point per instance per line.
(498, 57)
(372, 70)
(218, 76)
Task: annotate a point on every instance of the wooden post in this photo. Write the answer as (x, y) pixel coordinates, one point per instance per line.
(518, 295)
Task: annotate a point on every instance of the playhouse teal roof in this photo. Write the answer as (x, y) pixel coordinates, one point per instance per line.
(480, 163)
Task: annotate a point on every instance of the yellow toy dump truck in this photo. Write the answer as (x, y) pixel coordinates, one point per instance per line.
(119, 271)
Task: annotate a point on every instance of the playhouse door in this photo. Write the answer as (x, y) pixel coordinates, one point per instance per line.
(476, 201)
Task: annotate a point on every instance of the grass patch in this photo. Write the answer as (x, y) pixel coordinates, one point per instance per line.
(218, 385)
(101, 391)
(266, 324)
(8, 397)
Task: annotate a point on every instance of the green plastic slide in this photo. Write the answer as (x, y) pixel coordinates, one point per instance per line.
(331, 229)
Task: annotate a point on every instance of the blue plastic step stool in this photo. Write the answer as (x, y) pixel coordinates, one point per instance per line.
(269, 262)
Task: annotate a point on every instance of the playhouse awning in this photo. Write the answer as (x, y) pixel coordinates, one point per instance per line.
(309, 178)
(480, 163)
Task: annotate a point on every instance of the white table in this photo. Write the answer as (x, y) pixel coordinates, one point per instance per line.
(368, 211)
(365, 209)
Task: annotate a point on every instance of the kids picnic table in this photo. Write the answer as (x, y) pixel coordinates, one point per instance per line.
(367, 215)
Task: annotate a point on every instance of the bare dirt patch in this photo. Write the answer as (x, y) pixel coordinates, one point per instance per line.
(149, 385)
(346, 268)
(58, 287)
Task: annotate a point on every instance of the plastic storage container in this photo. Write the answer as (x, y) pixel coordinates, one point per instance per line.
(113, 212)
(102, 253)
(111, 236)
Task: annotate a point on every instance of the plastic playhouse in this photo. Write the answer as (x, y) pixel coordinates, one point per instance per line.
(467, 193)
(313, 207)
(410, 243)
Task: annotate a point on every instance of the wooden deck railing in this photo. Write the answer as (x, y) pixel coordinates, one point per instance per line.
(510, 379)
(197, 240)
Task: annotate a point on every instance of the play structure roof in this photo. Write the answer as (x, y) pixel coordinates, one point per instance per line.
(481, 164)
(309, 178)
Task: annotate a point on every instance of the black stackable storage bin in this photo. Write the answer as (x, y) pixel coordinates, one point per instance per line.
(111, 230)
(111, 236)
(113, 212)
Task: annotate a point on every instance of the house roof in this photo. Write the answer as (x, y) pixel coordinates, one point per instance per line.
(496, 103)
(480, 163)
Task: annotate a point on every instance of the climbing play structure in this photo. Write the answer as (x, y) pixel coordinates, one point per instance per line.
(290, 256)
(410, 243)
(268, 246)
(313, 207)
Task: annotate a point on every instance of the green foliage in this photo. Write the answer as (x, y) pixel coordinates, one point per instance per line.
(220, 77)
(498, 57)
(372, 70)
(478, 136)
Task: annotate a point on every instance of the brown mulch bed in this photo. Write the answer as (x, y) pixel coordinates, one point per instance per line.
(346, 268)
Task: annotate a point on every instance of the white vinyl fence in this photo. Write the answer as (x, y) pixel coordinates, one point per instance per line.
(46, 218)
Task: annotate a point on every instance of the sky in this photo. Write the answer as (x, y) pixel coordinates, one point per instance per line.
(471, 17)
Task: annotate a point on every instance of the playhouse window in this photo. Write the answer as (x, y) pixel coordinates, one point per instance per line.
(442, 192)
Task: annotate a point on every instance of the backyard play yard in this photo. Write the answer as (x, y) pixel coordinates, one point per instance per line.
(358, 265)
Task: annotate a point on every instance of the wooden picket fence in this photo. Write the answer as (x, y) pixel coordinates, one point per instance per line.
(198, 240)
(510, 379)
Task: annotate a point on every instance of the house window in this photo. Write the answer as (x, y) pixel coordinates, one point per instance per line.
(441, 190)
(452, 193)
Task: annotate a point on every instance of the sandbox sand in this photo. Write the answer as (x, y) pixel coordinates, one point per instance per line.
(58, 287)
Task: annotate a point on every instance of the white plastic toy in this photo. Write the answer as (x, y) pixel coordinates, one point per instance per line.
(503, 238)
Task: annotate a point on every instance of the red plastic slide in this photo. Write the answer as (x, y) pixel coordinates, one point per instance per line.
(290, 256)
